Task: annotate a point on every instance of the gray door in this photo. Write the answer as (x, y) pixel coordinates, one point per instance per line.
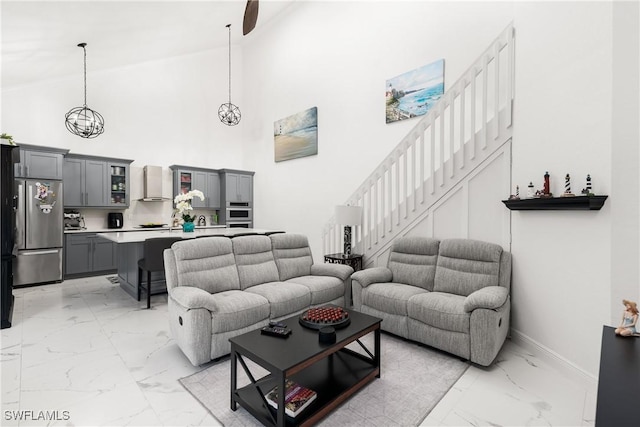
(199, 183)
(96, 183)
(244, 188)
(43, 214)
(43, 165)
(213, 190)
(73, 176)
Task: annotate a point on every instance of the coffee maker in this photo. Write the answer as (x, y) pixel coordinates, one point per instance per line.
(115, 220)
(73, 220)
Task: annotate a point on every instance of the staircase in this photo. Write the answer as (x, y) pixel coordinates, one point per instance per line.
(453, 167)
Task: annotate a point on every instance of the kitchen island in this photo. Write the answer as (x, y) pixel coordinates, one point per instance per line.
(131, 249)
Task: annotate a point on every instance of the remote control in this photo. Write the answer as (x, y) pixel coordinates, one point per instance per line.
(276, 331)
(277, 324)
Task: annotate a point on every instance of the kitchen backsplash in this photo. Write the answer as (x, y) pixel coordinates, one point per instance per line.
(139, 213)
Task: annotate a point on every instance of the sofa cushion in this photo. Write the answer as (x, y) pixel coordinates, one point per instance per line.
(238, 309)
(254, 260)
(323, 289)
(284, 297)
(390, 297)
(207, 264)
(440, 310)
(413, 261)
(292, 255)
(464, 266)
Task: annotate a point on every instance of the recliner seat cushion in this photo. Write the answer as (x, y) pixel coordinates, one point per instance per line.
(464, 266)
(292, 255)
(442, 311)
(390, 298)
(323, 289)
(208, 264)
(284, 297)
(238, 309)
(413, 261)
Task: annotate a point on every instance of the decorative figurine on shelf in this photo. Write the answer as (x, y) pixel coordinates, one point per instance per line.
(627, 327)
(567, 187)
(587, 191)
(546, 187)
(517, 195)
(530, 191)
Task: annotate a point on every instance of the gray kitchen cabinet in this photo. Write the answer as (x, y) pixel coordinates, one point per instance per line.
(238, 187)
(213, 190)
(40, 162)
(186, 179)
(95, 182)
(87, 254)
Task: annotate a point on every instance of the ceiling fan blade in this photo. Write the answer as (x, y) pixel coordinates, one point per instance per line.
(250, 16)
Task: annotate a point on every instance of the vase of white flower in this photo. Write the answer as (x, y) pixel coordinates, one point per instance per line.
(184, 208)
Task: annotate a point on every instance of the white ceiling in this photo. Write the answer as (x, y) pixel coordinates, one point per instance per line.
(40, 38)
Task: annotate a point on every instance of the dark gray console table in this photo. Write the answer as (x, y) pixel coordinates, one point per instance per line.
(619, 381)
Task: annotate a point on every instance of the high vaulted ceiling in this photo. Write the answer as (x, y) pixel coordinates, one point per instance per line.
(40, 38)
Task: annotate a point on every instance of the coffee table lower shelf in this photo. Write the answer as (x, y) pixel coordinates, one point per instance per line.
(334, 379)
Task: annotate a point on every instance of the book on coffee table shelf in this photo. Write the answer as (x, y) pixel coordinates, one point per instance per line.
(296, 398)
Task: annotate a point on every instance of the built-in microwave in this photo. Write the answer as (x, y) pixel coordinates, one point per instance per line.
(239, 224)
(239, 214)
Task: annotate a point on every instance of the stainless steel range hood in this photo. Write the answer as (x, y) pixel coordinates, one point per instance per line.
(153, 184)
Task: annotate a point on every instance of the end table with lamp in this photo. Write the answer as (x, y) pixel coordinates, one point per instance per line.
(347, 216)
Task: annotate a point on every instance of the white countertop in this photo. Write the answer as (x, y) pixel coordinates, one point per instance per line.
(127, 229)
(126, 237)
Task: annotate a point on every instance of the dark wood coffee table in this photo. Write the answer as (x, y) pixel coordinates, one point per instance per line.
(331, 370)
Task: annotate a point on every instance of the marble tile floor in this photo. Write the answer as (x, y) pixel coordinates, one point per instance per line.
(86, 349)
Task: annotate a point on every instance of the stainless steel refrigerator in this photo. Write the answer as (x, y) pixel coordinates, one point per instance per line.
(39, 233)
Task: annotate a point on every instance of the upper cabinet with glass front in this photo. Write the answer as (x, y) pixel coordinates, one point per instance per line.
(98, 182)
(187, 178)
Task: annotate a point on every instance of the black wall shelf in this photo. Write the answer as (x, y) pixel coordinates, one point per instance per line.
(592, 203)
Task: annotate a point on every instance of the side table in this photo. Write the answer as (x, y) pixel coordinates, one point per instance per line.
(354, 260)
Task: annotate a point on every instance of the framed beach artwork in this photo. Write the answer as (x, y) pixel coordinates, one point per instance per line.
(413, 93)
(296, 136)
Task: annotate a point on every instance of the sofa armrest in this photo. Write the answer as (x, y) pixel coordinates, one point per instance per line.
(490, 297)
(372, 275)
(192, 298)
(340, 271)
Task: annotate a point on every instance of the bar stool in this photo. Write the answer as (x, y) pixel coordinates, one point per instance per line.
(153, 261)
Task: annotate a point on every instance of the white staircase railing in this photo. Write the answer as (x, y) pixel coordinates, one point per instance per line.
(471, 120)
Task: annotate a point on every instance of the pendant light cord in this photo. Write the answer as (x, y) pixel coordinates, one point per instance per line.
(85, 75)
(229, 27)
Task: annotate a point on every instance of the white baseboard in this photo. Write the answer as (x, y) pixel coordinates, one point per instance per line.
(553, 359)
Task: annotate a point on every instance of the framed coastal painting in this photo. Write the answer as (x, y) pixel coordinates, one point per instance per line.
(413, 93)
(296, 136)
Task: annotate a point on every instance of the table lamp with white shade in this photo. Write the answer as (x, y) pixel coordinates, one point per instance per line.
(348, 216)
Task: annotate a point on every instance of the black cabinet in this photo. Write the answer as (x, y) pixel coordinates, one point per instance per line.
(87, 254)
(9, 156)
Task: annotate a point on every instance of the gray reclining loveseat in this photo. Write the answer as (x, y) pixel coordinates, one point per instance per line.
(220, 288)
(451, 294)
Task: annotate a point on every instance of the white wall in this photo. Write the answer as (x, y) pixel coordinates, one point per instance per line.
(562, 259)
(158, 113)
(337, 56)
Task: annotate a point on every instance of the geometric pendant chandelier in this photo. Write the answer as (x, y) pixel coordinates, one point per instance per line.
(83, 121)
(228, 113)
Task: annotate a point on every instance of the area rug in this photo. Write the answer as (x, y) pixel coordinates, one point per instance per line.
(413, 380)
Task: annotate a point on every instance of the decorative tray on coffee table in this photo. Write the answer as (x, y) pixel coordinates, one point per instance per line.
(327, 315)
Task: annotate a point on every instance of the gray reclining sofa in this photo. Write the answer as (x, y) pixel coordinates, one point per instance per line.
(451, 294)
(220, 288)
